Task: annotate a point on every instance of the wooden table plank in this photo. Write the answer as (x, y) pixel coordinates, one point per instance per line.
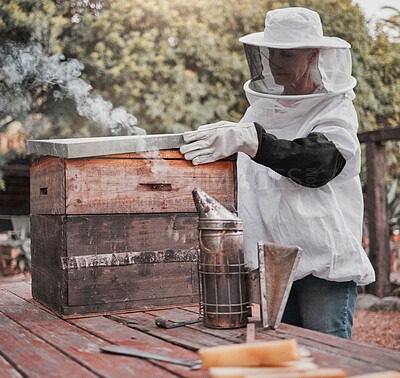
(363, 352)
(325, 356)
(194, 309)
(235, 335)
(77, 342)
(21, 289)
(74, 342)
(31, 355)
(332, 355)
(24, 291)
(327, 352)
(119, 334)
(7, 370)
(186, 337)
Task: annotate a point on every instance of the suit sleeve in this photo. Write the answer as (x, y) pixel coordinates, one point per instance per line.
(312, 161)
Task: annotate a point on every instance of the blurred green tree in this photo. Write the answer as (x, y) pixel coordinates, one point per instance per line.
(176, 66)
(30, 33)
(394, 20)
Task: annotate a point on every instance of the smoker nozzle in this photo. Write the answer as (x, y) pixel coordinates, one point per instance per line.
(209, 208)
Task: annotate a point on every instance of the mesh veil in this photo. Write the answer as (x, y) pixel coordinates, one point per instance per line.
(331, 71)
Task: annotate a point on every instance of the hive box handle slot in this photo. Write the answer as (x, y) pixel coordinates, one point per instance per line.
(156, 187)
(43, 191)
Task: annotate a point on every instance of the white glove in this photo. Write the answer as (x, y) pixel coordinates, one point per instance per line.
(219, 140)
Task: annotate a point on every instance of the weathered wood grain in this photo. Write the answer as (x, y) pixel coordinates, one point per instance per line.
(185, 336)
(111, 263)
(47, 186)
(48, 247)
(161, 154)
(75, 344)
(119, 334)
(36, 352)
(235, 335)
(376, 203)
(28, 334)
(7, 370)
(118, 214)
(119, 233)
(326, 353)
(365, 353)
(73, 312)
(379, 135)
(132, 283)
(378, 225)
(128, 183)
(99, 186)
(21, 289)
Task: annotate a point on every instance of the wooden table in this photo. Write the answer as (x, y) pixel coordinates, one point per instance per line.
(36, 343)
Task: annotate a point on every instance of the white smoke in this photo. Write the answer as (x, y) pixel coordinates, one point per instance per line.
(25, 67)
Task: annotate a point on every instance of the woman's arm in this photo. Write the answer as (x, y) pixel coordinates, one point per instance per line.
(312, 161)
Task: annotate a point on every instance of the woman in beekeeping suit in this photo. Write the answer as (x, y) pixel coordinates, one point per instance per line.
(298, 170)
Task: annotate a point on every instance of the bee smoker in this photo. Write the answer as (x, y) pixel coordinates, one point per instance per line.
(221, 268)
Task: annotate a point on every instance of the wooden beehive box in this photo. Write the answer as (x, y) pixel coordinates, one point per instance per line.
(115, 232)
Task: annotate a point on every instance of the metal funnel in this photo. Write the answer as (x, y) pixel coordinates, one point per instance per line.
(277, 265)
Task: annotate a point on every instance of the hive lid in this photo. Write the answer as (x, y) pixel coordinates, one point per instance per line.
(87, 147)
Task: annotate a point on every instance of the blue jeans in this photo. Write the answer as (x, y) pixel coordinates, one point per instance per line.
(321, 305)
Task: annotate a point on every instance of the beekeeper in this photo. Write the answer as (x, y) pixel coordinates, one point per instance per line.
(299, 164)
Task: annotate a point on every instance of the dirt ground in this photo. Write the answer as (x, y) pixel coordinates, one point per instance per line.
(379, 328)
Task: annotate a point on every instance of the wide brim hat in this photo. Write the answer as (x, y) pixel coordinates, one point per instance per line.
(294, 27)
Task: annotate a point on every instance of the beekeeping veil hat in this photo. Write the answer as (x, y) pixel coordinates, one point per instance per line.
(297, 28)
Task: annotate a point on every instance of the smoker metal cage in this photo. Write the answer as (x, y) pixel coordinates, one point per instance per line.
(222, 279)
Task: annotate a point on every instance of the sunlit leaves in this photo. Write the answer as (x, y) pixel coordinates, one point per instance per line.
(176, 65)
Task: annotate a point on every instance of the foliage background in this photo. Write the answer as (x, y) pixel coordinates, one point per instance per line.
(176, 65)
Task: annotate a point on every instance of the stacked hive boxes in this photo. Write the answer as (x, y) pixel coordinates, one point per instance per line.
(114, 232)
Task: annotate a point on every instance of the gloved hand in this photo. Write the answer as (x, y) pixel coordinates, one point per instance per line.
(219, 140)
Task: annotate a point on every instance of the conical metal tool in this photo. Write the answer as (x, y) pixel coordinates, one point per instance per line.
(209, 208)
(277, 266)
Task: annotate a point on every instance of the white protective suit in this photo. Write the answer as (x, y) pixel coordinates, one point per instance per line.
(326, 222)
